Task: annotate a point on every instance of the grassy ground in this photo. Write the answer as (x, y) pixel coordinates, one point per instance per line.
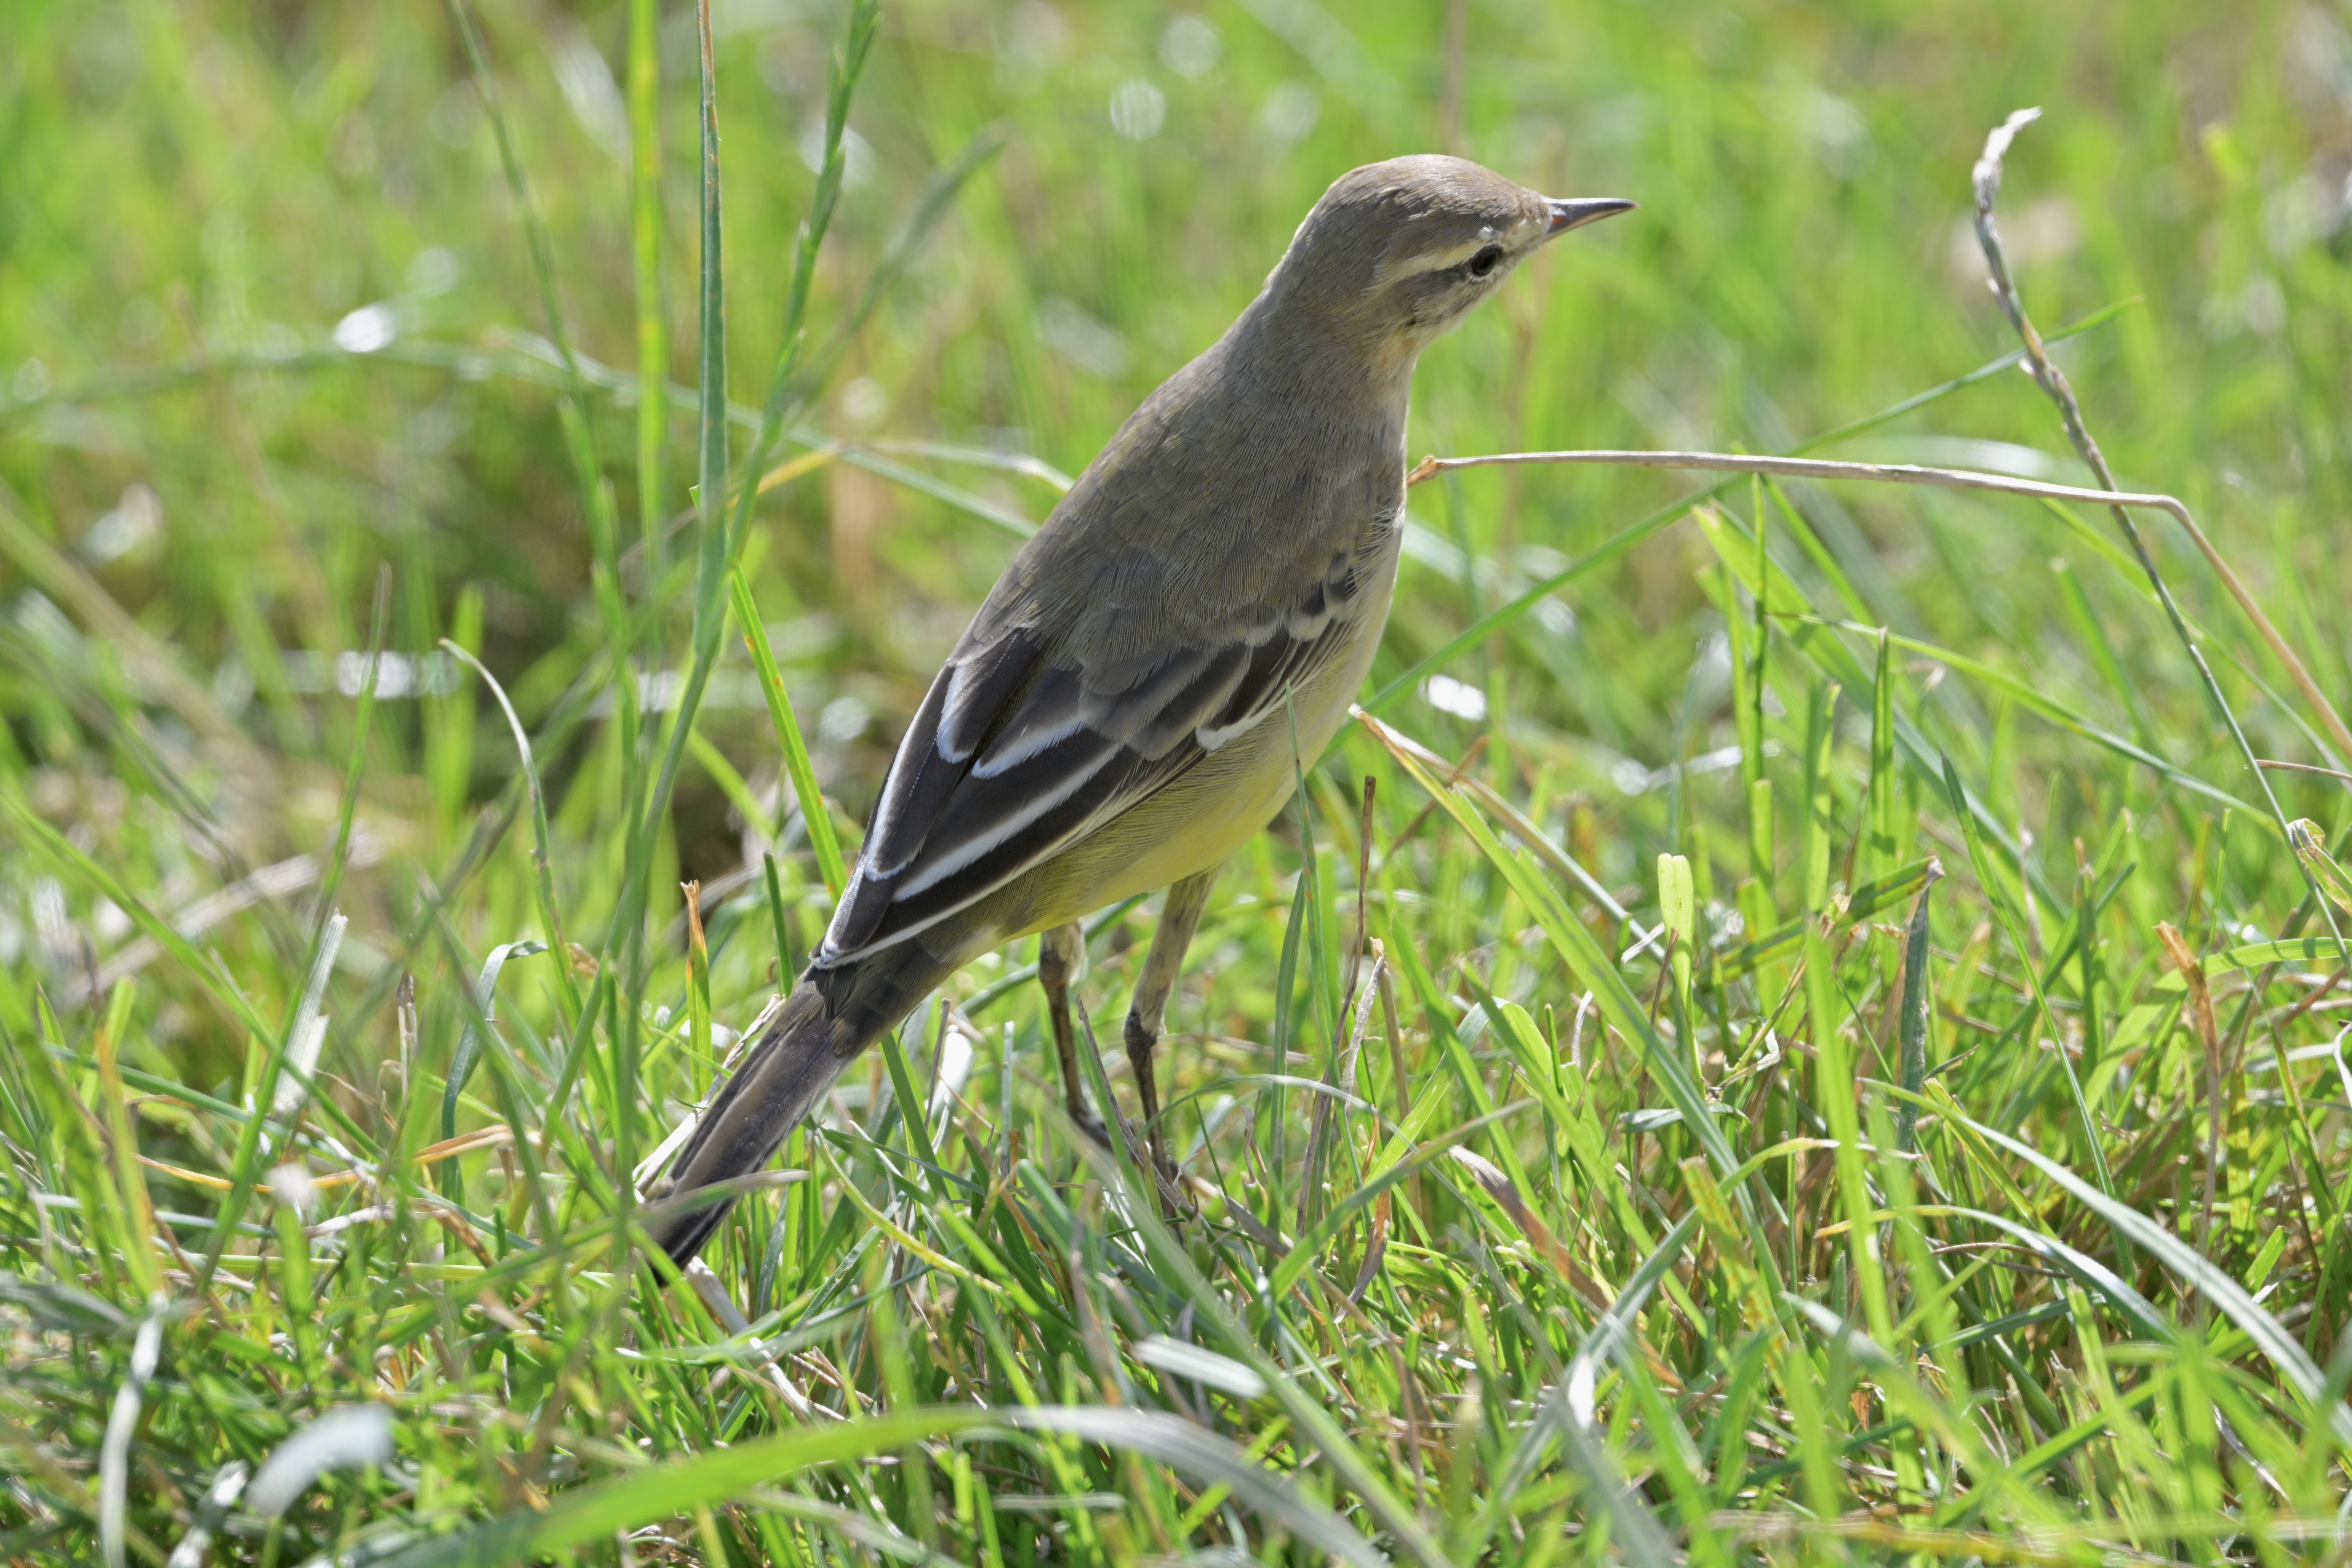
(1964, 1172)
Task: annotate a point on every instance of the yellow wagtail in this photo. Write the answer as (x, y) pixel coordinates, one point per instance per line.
(1126, 707)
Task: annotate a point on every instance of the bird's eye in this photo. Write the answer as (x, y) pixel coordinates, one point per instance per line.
(1483, 264)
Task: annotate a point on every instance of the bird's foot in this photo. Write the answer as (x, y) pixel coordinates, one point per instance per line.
(1087, 1122)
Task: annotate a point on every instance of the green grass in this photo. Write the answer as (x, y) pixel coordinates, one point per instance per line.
(1965, 1173)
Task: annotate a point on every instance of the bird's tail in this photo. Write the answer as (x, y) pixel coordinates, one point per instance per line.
(828, 1019)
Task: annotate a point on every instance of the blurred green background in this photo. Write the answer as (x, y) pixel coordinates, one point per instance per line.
(273, 352)
(265, 313)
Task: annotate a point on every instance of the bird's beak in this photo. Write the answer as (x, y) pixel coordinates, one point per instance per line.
(1575, 214)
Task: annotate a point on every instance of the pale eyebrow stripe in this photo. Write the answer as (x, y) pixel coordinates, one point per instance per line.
(1433, 261)
(1438, 260)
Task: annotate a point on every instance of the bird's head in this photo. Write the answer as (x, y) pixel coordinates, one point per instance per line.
(1396, 253)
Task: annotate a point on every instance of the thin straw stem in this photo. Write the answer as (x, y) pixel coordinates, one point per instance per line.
(1811, 469)
(1985, 180)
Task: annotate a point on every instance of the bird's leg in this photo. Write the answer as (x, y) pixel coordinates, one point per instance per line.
(1178, 920)
(1061, 957)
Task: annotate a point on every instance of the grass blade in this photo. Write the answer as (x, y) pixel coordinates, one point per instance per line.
(2200, 1274)
(797, 766)
(646, 239)
(2025, 948)
(1912, 1016)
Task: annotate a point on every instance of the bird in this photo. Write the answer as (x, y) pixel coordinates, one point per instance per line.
(1135, 696)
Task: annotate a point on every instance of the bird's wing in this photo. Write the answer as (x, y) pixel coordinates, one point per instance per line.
(1021, 748)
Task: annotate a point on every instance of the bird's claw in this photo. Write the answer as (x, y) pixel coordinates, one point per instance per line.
(1171, 1180)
